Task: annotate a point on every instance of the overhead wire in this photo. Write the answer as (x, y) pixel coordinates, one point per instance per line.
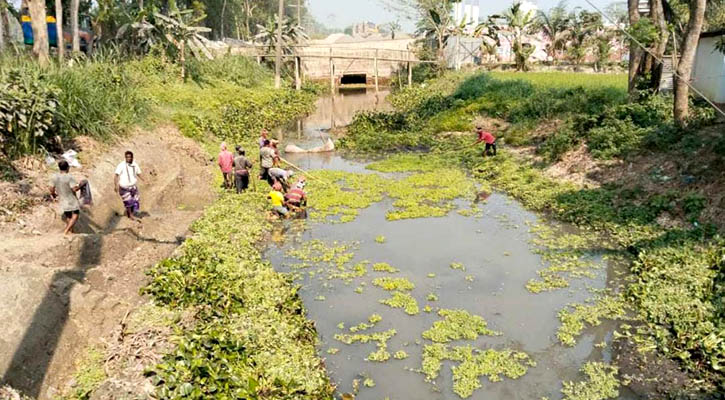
(674, 72)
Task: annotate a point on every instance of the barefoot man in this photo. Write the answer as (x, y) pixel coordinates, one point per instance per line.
(63, 187)
(128, 173)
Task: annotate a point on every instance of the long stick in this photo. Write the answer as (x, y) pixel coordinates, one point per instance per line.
(303, 171)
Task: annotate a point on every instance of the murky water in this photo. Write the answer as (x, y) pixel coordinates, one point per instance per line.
(496, 250)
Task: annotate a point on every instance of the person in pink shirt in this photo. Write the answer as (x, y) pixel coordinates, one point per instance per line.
(226, 163)
(488, 138)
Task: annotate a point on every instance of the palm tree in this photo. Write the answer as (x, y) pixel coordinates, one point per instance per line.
(488, 32)
(520, 22)
(555, 26)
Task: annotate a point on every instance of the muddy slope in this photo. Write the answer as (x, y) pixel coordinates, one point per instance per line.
(62, 295)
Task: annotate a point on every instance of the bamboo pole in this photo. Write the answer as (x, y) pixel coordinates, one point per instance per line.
(305, 173)
(332, 74)
(410, 75)
(298, 84)
(375, 61)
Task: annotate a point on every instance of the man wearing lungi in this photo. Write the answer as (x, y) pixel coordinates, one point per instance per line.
(128, 173)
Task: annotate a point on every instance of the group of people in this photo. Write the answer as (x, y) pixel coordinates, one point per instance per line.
(285, 198)
(65, 189)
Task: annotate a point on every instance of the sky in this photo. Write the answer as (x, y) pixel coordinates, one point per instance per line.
(343, 13)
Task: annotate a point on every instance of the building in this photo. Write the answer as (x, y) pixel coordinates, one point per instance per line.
(709, 70)
(365, 29)
(468, 13)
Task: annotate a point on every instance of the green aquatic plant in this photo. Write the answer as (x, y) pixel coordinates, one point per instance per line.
(575, 317)
(398, 284)
(380, 239)
(333, 350)
(458, 266)
(369, 382)
(432, 297)
(601, 383)
(428, 308)
(473, 364)
(380, 338)
(384, 267)
(400, 355)
(372, 321)
(456, 325)
(404, 301)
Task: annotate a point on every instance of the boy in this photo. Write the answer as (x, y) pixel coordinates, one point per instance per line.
(63, 187)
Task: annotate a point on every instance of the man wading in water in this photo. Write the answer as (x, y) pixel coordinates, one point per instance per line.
(268, 160)
(63, 187)
(127, 176)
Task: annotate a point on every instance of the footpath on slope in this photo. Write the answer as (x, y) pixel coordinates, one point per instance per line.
(62, 295)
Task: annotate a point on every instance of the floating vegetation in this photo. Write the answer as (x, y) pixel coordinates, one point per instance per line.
(333, 350)
(374, 319)
(369, 382)
(317, 251)
(456, 325)
(400, 284)
(432, 297)
(380, 338)
(601, 383)
(359, 290)
(568, 256)
(428, 308)
(400, 355)
(458, 266)
(575, 317)
(404, 301)
(473, 364)
(425, 193)
(431, 275)
(320, 298)
(384, 267)
(380, 239)
(469, 278)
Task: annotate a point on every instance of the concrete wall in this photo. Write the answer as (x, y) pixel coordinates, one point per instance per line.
(709, 71)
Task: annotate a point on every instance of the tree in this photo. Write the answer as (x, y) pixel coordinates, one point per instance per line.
(179, 30)
(584, 26)
(59, 30)
(555, 26)
(3, 7)
(520, 22)
(292, 34)
(687, 58)
(40, 31)
(488, 32)
(602, 49)
(75, 35)
(278, 46)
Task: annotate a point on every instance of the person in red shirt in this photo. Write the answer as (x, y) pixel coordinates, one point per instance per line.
(484, 136)
(226, 164)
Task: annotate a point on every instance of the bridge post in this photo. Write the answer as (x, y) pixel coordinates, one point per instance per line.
(375, 62)
(410, 74)
(298, 84)
(332, 74)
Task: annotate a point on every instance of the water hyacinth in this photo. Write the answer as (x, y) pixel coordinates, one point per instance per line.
(456, 325)
(601, 383)
(575, 317)
(384, 267)
(404, 301)
(399, 284)
(380, 338)
(458, 266)
(473, 364)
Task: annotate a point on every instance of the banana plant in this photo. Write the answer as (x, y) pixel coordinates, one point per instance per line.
(292, 34)
(179, 31)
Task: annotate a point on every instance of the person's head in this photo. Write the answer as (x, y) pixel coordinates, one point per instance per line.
(63, 166)
(273, 142)
(223, 146)
(264, 133)
(277, 186)
(240, 150)
(129, 156)
(290, 173)
(266, 142)
(479, 128)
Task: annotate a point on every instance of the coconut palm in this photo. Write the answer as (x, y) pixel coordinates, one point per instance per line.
(554, 24)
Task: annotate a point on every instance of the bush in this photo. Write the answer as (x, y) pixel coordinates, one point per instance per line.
(615, 138)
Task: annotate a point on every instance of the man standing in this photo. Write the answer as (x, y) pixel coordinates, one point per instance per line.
(226, 164)
(128, 173)
(484, 136)
(269, 159)
(241, 171)
(263, 136)
(63, 187)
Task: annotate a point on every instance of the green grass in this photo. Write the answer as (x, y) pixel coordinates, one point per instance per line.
(566, 79)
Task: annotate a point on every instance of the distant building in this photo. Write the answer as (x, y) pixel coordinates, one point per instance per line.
(468, 13)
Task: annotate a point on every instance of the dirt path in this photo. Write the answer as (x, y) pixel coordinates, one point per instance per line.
(61, 295)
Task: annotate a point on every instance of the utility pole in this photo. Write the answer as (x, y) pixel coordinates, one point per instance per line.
(299, 12)
(278, 60)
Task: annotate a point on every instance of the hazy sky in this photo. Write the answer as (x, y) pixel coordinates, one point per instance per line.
(342, 13)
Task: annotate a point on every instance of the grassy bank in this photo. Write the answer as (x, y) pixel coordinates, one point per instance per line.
(677, 272)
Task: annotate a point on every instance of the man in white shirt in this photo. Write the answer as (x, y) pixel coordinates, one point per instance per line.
(128, 173)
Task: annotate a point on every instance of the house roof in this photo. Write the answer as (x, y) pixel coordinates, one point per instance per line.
(717, 33)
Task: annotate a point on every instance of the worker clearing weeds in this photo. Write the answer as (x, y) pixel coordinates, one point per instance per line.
(488, 138)
(276, 199)
(296, 199)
